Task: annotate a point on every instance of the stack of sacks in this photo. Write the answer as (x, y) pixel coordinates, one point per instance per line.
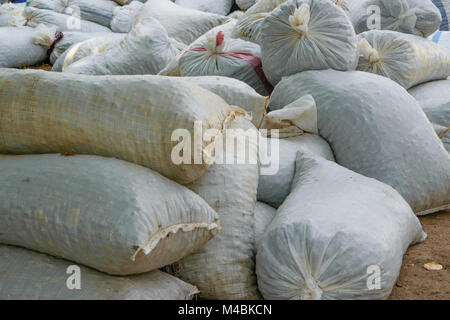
(304, 35)
(418, 17)
(434, 98)
(32, 17)
(98, 11)
(28, 275)
(147, 49)
(335, 229)
(183, 24)
(407, 59)
(356, 107)
(24, 46)
(444, 8)
(115, 216)
(215, 54)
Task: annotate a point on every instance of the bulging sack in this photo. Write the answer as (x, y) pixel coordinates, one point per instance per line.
(327, 249)
(304, 35)
(182, 24)
(17, 48)
(221, 7)
(224, 269)
(131, 118)
(59, 44)
(407, 59)
(217, 55)
(81, 49)
(418, 17)
(376, 129)
(107, 214)
(98, 11)
(147, 49)
(29, 275)
(32, 17)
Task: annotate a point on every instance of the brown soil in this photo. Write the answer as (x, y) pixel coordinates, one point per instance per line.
(45, 67)
(417, 283)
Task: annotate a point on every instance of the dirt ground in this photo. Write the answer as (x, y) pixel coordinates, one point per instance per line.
(45, 67)
(417, 283)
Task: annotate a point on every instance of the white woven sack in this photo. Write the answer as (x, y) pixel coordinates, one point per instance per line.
(81, 49)
(107, 214)
(182, 24)
(377, 129)
(132, 118)
(334, 231)
(29, 275)
(407, 59)
(70, 38)
(419, 17)
(302, 35)
(217, 55)
(224, 269)
(222, 7)
(18, 49)
(434, 98)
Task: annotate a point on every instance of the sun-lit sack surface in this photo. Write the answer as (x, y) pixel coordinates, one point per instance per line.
(128, 117)
(108, 214)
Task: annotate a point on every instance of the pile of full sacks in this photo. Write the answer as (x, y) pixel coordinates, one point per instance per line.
(219, 149)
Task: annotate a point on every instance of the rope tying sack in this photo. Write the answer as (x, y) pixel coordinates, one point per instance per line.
(300, 19)
(47, 37)
(369, 53)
